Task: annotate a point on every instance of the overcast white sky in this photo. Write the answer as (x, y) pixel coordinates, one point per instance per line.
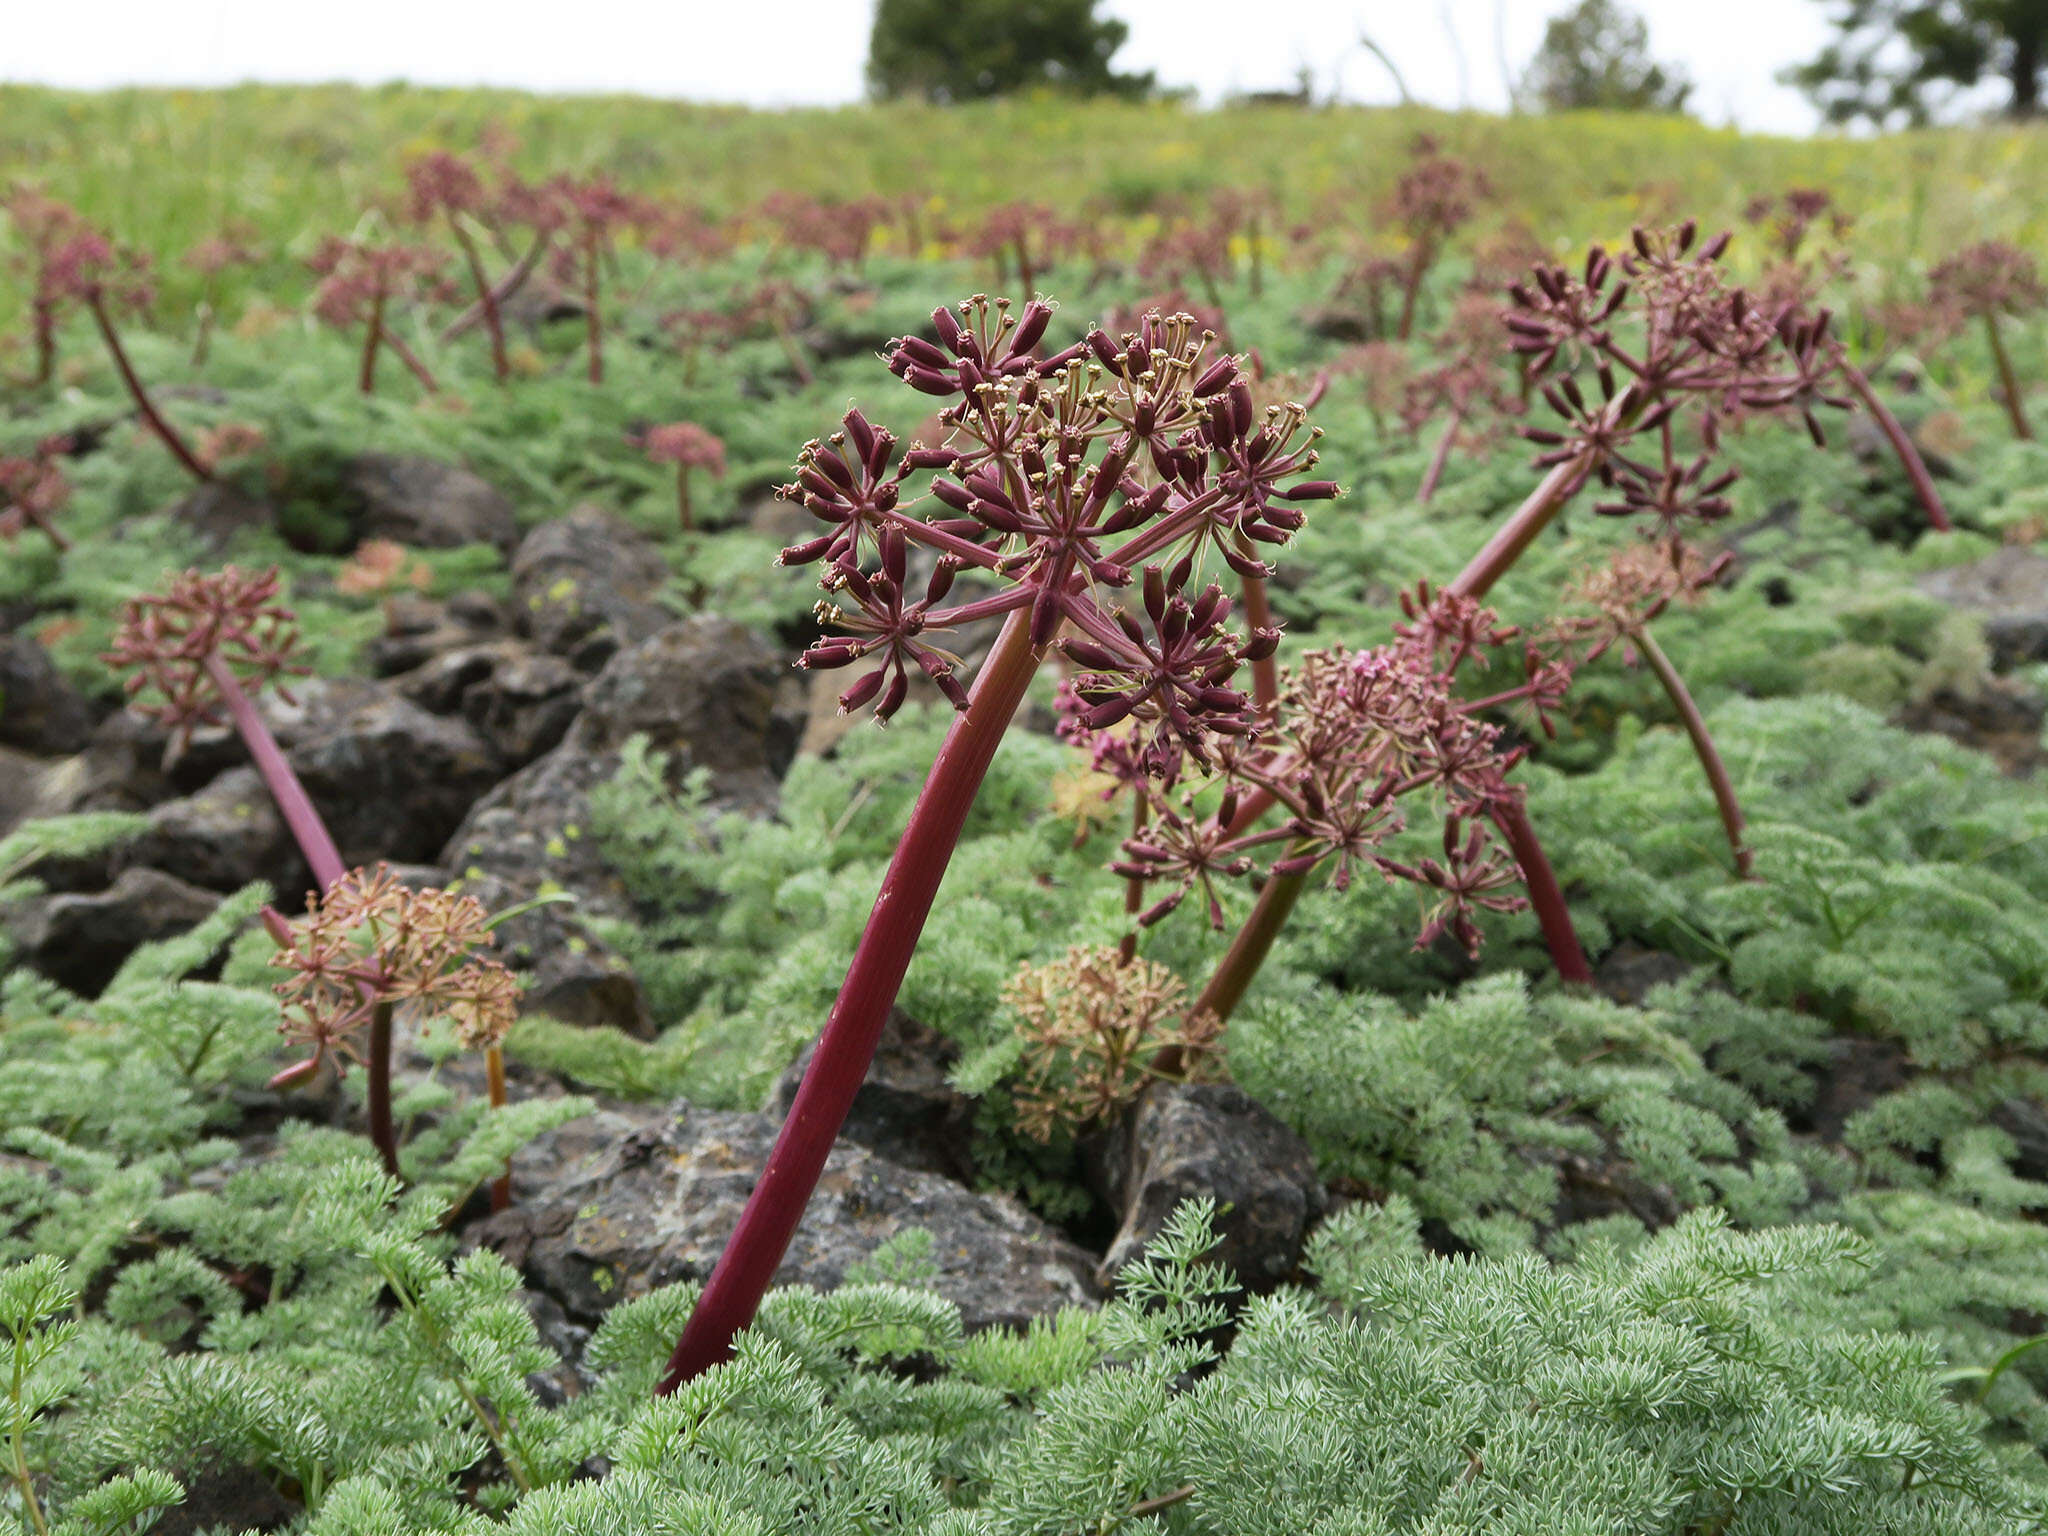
(783, 52)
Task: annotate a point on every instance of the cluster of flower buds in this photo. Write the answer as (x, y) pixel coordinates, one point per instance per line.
(1436, 193)
(1612, 605)
(1805, 241)
(86, 266)
(1357, 737)
(1666, 340)
(1988, 278)
(839, 229)
(1066, 481)
(33, 489)
(595, 210)
(233, 246)
(370, 941)
(169, 643)
(683, 443)
(1093, 1026)
(1032, 236)
(442, 184)
(358, 280)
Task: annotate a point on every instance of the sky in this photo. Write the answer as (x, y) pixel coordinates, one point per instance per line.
(810, 52)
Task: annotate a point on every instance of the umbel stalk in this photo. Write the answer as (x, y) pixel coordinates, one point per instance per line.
(847, 1045)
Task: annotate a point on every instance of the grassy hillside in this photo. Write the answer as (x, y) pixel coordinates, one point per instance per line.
(164, 167)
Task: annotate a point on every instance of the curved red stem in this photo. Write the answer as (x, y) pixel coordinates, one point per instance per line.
(854, 1027)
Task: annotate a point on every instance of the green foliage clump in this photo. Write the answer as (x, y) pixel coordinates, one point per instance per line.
(1706, 1381)
(1497, 1115)
(750, 920)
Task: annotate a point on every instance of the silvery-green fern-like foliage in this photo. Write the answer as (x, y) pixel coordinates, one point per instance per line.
(1704, 1383)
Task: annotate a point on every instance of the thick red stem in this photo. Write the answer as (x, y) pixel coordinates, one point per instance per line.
(494, 1075)
(854, 1026)
(1552, 493)
(2008, 380)
(308, 830)
(1411, 290)
(378, 1070)
(493, 322)
(366, 375)
(413, 365)
(165, 433)
(593, 323)
(1248, 949)
(1134, 885)
(1703, 747)
(1545, 895)
(46, 343)
(1902, 445)
(502, 293)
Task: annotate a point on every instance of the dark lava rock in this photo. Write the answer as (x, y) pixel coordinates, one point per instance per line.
(417, 629)
(2000, 717)
(427, 504)
(226, 1498)
(1592, 1188)
(23, 791)
(219, 510)
(584, 586)
(519, 700)
(121, 769)
(704, 691)
(1186, 1140)
(2008, 590)
(79, 941)
(1629, 973)
(907, 1108)
(39, 711)
(616, 1204)
(1335, 322)
(224, 836)
(1858, 1071)
(2026, 1122)
(392, 780)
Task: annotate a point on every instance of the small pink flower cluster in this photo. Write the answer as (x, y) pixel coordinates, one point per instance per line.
(230, 618)
(369, 942)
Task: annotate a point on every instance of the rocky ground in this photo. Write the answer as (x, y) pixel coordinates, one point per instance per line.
(468, 755)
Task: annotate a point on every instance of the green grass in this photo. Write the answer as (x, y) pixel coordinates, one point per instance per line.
(164, 168)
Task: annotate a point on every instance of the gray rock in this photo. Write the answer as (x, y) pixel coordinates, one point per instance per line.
(1859, 1070)
(1629, 973)
(2026, 1122)
(417, 629)
(1999, 716)
(618, 1203)
(24, 792)
(1337, 322)
(39, 711)
(427, 504)
(219, 511)
(907, 1108)
(584, 585)
(224, 836)
(79, 941)
(121, 769)
(226, 1497)
(704, 691)
(1182, 1141)
(2008, 590)
(391, 780)
(520, 700)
